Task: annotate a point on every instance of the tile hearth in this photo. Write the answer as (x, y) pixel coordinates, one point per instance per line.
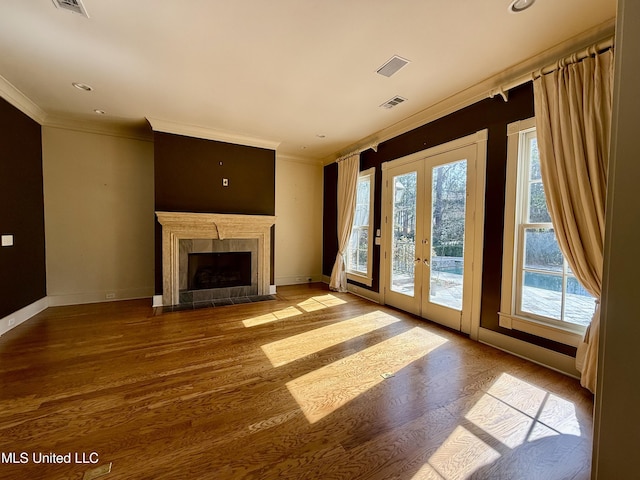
(219, 302)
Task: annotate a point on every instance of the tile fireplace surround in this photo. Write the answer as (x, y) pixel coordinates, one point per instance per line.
(178, 226)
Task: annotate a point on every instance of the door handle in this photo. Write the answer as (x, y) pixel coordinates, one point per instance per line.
(417, 260)
(426, 262)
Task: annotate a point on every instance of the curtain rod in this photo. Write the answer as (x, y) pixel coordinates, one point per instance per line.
(503, 90)
(373, 146)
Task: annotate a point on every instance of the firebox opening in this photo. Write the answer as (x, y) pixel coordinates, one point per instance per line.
(219, 270)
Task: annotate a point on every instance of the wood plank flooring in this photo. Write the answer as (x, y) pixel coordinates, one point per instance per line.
(312, 385)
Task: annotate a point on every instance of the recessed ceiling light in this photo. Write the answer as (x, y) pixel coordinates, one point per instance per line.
(518, 6)
(82, 86)
(99, 112)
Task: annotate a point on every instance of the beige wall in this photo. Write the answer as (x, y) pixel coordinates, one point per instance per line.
(298, 244)
(99, 216)
(617, 436)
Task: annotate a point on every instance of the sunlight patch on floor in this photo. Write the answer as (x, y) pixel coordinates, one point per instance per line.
(502, 422)
(323, 391)
(510, 414)
(459, 456)
(546, 408)
(320, 302)
(272, 317)
(299, 346)
(518, 394)
(560, 415)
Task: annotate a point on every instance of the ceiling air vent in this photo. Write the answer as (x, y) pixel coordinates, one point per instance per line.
(74, 6)
(392, 65)
(393, 102)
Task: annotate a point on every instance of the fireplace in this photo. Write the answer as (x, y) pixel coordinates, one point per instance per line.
(208, 271)
(217, 241)
(211, 268)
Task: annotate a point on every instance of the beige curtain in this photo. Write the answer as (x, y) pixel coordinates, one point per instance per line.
(573, 121)
(348, 169)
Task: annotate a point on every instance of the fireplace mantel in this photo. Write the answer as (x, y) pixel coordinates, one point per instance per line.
(178, 226)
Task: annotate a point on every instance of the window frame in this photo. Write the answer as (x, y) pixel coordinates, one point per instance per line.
(511, 315)
(365, 278)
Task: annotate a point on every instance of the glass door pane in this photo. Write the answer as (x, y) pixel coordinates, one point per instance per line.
(403, 241)
(448, 204)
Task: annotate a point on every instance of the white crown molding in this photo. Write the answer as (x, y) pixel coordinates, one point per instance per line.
(296, 159)
(196, 131)
(517, 74)
(23, 103)
(132, 131)
(19, 100)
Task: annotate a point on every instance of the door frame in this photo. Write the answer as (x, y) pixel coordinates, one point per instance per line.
(470, 323)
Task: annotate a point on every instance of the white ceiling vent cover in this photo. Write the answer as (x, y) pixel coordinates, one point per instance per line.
(74, 6)
(393, 102)
(392, 65)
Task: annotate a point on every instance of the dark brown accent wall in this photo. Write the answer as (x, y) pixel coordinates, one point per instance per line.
(22, 267)
(493, 114)
(188, 178)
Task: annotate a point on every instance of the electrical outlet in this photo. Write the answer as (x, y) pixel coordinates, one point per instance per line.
(111, 295)
(7, 241)
(12, 321)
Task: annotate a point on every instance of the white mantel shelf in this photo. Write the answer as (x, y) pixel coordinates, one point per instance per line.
(178, 226)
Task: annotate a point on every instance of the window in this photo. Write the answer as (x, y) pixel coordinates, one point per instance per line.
(359, 251)
(540, 294)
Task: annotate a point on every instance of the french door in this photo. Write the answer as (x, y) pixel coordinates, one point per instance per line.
(430, 235)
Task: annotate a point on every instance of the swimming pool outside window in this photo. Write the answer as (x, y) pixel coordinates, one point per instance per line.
(538, 284)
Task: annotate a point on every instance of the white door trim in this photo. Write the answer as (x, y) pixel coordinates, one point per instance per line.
(470, 323)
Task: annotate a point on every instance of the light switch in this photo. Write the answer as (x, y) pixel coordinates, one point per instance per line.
(7, 240)
(225, 182)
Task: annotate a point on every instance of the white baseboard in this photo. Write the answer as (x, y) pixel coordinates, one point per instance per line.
(99, 297)
(356, 290)
(540, 355)
(364, 293)
(22, 315)
(298, 279)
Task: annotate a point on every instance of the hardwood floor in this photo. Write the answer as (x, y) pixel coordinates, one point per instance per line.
(313, 385)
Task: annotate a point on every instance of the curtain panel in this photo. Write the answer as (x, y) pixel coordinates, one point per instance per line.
(573, 120)
(348, 169)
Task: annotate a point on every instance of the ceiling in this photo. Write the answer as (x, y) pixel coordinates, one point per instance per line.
(296, 74)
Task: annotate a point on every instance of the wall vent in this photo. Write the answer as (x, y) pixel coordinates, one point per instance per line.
(393, 102)
(392, 65)
(74, 6)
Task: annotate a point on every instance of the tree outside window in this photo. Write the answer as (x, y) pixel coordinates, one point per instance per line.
(547, 288)
(358, 256)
